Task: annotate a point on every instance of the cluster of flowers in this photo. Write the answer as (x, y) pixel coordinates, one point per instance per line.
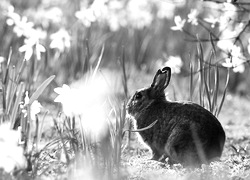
(33, 36)
(229, 29)
(114, 13)
(136, 14)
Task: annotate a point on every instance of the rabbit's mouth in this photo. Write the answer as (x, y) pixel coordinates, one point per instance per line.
(130, 109)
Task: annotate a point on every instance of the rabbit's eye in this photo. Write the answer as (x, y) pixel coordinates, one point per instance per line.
(138, 95)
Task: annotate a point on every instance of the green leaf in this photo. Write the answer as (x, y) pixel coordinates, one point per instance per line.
(191, 90)
(224, 93)
(13, 115)
(98, 63)
(208, 94)
(40, 89)
(216, 88)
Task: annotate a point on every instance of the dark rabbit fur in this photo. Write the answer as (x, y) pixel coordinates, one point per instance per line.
(186, 133)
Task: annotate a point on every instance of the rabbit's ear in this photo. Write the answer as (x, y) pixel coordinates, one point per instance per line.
(161, 79)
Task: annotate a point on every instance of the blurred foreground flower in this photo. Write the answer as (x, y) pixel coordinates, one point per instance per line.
(235, 60)
(179, 24)
(175, 63)
(11, 155)
(88, 101)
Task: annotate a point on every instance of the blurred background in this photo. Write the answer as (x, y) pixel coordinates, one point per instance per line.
(65, 38)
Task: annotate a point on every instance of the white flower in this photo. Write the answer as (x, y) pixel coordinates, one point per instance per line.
(175, 63)
(27, 48)
(226, 40)
(192, 17)
(248, 47)
(69, 98)
(87, 16)
(11, 155)
(76, 101)
(60, 40)
(54, 14)
(229, 12)
(2, 59)
(23, 27)
(229, 7)
(63, 93)
(138, 14)
(179, 23)
(87, 101)
(12, 16)
(165, 10)
(235, 60)
(212, 20)
(35, 107)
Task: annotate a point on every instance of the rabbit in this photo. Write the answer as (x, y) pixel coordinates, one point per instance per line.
(185, 132)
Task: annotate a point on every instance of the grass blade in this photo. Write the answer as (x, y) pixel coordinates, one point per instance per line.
(142, 129)
(20, 91)
(98, 63)
(40, 89)
(20, 71)
(124, 74)
(212, 43)
(208, 94)
(224, 93)
(191, 90)
(216, 89)
(201, 60)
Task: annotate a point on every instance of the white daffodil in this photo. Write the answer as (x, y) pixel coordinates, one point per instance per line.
(179, 24)
(192, 17)
(35, 107)
(235, 60)
(60, 40)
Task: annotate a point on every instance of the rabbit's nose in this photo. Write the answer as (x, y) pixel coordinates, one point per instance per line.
(129, 108)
